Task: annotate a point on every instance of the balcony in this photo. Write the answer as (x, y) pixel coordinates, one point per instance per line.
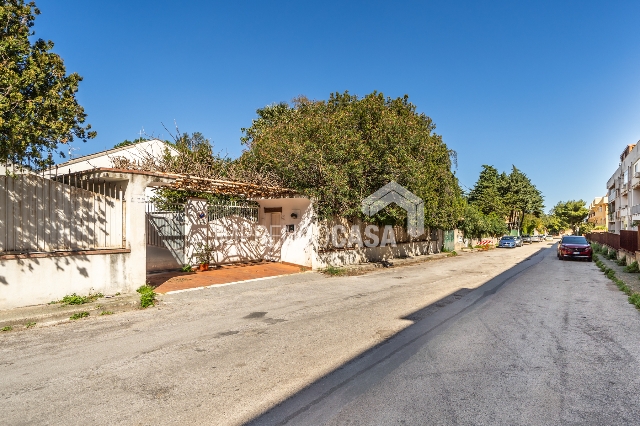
(635, 209)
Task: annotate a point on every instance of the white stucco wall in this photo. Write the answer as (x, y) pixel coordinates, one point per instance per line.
(297, 246)
(40, 280)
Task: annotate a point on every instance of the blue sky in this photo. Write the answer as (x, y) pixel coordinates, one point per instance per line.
(551, 87)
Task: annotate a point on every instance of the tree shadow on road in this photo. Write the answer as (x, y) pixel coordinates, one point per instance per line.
(374, 364)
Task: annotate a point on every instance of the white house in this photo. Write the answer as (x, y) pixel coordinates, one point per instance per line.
(103, 159)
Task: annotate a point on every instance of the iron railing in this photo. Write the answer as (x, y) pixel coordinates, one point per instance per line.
(244, 209)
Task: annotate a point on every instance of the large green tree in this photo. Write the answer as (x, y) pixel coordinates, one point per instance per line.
(38, 105)
(571, 213)
(486, 195)
(510, 196)
(342, 150)
(476, 224)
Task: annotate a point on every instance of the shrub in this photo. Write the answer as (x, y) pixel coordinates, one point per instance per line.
(147, 296)
(622, 261)
(634, 299)
(612, 255)
(186, 268)
(633, 267)
(74, 299)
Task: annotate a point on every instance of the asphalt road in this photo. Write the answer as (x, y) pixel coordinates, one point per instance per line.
(494, 337)
(557, 343)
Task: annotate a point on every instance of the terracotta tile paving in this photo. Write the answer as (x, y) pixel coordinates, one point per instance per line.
(171, 281)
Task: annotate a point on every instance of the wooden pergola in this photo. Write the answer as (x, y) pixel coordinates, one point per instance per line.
(225, 187)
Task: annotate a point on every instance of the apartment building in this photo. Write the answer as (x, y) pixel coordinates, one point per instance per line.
(624, 191)
(599, 212)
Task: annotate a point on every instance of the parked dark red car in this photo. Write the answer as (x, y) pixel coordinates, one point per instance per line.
(572, 246)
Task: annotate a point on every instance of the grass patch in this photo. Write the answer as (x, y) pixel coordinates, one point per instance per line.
(30, 324)
(106, 313)
(632, 267)
(452, 253)
(634, 297)
(334, 271)
(7, 328)
(74, 299)
(79, 315)
(186, 268)
(147, 296)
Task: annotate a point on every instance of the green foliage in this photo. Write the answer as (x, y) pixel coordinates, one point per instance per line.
(30, 324)
(553, 224)
(612, 254)
(342, 150)
(509, 196)
(79, 315)
(622, 261)
(476, 224)
(7, 328)
(106, 313)
(186, 268)
(634, 299)
(571, 214)
(204, 254)
(74, 299)
(127, 142)
(147, 296)
(334, 271)
(38, 105)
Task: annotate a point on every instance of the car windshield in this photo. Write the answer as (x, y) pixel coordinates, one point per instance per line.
(507, 238)
(574, 240)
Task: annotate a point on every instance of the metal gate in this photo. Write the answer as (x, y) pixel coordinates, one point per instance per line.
(165, 226)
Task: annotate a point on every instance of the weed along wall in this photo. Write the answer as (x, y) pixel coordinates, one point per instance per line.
(41, 278)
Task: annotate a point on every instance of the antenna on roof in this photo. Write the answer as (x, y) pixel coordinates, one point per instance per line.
(71, 149)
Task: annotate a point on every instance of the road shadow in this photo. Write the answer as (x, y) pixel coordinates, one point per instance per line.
(338, 387)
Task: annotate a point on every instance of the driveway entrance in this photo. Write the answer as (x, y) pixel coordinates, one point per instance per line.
(174, 281)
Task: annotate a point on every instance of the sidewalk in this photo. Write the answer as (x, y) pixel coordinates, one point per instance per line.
(630, 279)
(51, 314)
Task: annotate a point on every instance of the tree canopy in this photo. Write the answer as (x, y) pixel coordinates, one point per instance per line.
(511, 196)
(571, 214)
(341, 150)
(38, 105)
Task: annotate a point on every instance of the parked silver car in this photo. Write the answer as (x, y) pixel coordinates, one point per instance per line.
(508, 241)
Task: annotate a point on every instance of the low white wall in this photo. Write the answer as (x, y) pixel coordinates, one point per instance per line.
(36, 280)
(354, 256)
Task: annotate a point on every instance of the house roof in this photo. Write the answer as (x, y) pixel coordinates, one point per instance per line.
(111, 151)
